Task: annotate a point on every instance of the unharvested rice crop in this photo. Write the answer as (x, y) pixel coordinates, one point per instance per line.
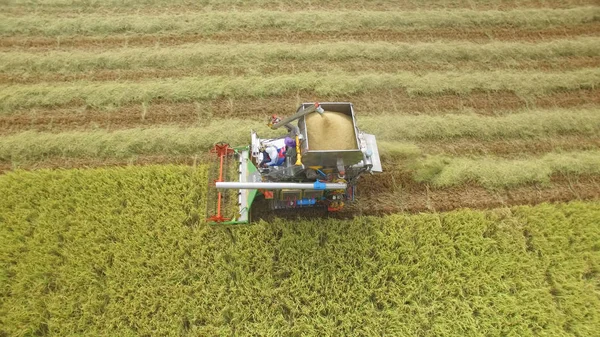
(125, 252)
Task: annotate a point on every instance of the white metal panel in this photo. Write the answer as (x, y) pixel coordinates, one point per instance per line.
(372, 145)
(243, 194)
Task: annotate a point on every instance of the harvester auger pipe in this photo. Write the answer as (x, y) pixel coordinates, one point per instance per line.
(316, 107)
(279, 186)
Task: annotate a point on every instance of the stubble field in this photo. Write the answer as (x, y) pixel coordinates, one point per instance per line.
(490, 105)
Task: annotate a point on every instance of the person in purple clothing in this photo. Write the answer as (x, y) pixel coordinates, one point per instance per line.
(290, 143)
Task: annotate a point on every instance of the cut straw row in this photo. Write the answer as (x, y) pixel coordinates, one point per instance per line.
(203, 55)
(293, 21)
(189, 89)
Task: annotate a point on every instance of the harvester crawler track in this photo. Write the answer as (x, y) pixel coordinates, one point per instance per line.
(261, 210)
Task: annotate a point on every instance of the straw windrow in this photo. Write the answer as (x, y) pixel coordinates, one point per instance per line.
(210, 87)
(292, 21)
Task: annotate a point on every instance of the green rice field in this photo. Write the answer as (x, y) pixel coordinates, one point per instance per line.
(123, 252)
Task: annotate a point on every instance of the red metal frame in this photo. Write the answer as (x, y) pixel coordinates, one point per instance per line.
(221, 150)
(334, 209)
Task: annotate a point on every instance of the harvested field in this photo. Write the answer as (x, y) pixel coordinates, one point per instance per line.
(489, 105)
(510, 147)
(197, 55)
(30, 146)
(274, 35)
(283, 67)
(291, 21)
(500, 172)
(433, 68)
(17, 7)
(189, 89)
(372, 103)
(399, 193)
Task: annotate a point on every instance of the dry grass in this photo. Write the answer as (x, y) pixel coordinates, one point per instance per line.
(188, 89)
(158, 6)
(500, 173)
(293, 21)
(31, 146)
(261, 55)
(518, 124)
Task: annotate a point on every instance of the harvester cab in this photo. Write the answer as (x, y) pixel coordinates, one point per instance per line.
(315, 166)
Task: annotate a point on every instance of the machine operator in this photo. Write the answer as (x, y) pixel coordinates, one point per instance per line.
(273, 156)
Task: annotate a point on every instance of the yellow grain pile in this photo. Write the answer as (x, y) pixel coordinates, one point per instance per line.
(332, 131)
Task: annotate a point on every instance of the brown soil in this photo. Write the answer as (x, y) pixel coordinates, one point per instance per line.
(388, 102)
(393, 191)
(423, 35)
(284, 67)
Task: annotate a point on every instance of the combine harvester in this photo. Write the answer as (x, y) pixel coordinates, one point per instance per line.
(313, 168)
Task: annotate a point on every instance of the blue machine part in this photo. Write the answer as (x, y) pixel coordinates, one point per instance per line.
(306, 202)
(319, 185)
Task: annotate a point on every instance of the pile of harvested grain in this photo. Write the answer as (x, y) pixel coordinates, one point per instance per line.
(331, 131)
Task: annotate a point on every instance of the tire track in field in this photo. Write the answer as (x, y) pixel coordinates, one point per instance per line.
(285, 67)
(396, 192)
(473, 34)
(393, 101)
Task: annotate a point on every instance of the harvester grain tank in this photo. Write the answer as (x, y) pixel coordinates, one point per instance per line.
(315, 165)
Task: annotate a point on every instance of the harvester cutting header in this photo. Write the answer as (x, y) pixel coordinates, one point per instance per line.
(315, 166)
